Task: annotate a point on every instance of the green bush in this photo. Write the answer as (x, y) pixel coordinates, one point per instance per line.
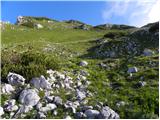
(30, 64)
(115, 34)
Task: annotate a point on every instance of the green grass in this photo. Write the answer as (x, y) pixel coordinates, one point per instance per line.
(67, 48)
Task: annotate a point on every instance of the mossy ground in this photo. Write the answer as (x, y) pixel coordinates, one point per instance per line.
(67, 46)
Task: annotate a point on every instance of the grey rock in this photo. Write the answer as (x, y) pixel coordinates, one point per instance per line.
(80, 115)
(55, 113)
(80, 95)
(141, 83)
(58, 100)
(10, 106)
(67, 117)
(29, 97)
(49, 98)
(38, 106)
(40, 115)
(108, 113)
(41, 83)
(120, 104)
(132, 70)
(38, 26)
(84, 108)
(83, 63)
(148, 52)
(7, 89)
(25, 109)
(48, 107)
(92, 114)
(1, 111)
(15, 79)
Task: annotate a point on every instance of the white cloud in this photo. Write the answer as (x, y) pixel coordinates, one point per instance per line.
(135, 12)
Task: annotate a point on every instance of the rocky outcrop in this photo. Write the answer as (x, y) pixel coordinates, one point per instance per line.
(113, 26)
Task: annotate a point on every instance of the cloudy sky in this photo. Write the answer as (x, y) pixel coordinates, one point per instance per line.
(132, 12)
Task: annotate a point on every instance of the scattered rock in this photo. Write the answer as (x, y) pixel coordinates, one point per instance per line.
(80, 115)
(49, 98)
(67, 117)
(38, 26)
(1, 111)
(141, 83)
(57, 100)
(38, 106)
(80, 95)
(92, 114)
(132, 70)
(15, 79)
(108, 113)
(48, 107)
(84, 108)
(40, 115)
(29, 97)
(24, 109)
(7, 89)
(148, 52)
(121, 103)
(41, 83)
(83, 63)
(10, 106)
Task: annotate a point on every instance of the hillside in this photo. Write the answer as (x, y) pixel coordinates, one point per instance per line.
(69, 69)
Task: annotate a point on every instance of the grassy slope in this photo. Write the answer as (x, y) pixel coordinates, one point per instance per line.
(142, 103)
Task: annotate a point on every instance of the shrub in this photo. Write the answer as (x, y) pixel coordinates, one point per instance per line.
(115, 34)
(30, 64)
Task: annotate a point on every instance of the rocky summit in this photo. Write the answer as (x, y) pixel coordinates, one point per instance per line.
(68, 69)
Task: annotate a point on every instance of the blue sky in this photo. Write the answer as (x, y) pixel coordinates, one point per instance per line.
(132, 12)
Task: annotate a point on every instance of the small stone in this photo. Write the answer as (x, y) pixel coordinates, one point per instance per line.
(108, 113)
(141, 83)
(38, 106)
(67, 117)
(121, 103)
(83, 63)
(7, 89)
(48, 107)
(84, 108)
(92, 114)
(80, 95)
(148, 52)
(10, 106)
(49, 98)
(80, 115)
(55, 113)
(40, 115)
(41, 83)
(1, 111)
(57, 100)
(132, 70)
(25, 109)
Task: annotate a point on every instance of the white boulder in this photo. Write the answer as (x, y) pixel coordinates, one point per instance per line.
(15, 79)
(7, 89)
(29, 97)
(41, 83)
